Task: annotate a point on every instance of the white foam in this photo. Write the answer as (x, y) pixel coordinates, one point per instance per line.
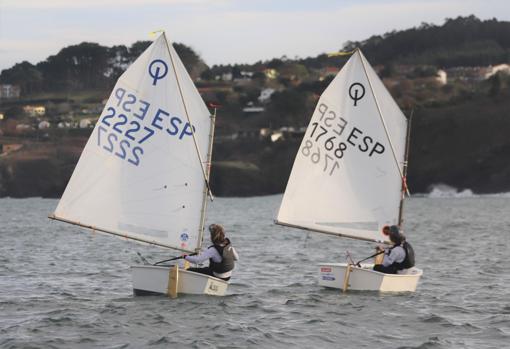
(450, 192)
(447, 191)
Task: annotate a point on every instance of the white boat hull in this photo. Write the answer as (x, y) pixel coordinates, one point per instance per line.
(148, 279)
(366, 279)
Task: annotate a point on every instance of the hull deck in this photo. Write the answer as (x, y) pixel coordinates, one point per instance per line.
(366, 279)
(152, 280)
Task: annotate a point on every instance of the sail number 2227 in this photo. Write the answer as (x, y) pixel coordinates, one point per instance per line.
(122, 148)
(129, 123)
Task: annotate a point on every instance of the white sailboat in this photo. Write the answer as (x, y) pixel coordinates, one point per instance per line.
(348, 175)
(142, 175)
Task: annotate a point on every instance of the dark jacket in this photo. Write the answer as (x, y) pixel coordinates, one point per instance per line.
(227, 258)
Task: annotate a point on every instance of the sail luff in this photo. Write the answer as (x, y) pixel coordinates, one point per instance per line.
(119, 234)
(206, 191)
(187, 114)
(381, 116)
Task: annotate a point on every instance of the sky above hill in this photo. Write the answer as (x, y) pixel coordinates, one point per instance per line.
(221, 31)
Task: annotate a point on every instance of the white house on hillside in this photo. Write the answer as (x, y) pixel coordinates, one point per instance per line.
(43, 125)
(503, 68)
(442, 77)
(34, 110)
(85, 123)
(9, 91)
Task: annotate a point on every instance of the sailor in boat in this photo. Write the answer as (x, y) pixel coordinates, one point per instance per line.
(398, 257)
(221, 255)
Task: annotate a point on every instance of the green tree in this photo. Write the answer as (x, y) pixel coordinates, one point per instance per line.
(293, 71)
(388, 70)
(462, 41)
(76, 67)
(118, 60)
(275, 63)
(207, 75)
(137, 49)
(290, 107)
(25, 75)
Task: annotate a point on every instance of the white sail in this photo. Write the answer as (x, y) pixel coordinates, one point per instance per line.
(347, 175)
(140, 175)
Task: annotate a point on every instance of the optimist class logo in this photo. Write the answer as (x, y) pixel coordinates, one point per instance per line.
(157, 70)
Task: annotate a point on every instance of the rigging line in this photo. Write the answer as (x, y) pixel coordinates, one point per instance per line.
(206, 179)
(382, 119)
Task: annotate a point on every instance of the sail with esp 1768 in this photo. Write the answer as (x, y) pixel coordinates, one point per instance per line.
(348, 175)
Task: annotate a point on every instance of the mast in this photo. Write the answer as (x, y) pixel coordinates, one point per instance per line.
(207, 190)
(404, 171)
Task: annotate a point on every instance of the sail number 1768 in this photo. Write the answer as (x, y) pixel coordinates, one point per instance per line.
(307, 150)
(319, 136)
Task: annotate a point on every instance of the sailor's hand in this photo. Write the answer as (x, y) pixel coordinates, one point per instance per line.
(184, 256)
(379, 248)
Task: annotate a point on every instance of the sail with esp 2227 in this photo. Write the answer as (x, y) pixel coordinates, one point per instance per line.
(347, 175)
(140, 175)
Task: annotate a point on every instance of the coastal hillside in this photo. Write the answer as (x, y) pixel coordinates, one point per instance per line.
(462, 41)
(453, 78)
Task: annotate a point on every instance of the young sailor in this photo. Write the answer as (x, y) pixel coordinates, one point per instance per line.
(221, 255)
(398, 257)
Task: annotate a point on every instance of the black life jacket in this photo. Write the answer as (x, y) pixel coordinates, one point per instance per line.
(227, 258)
(408, 261)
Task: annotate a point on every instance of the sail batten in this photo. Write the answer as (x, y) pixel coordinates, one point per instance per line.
(348, 168)
(136, 178)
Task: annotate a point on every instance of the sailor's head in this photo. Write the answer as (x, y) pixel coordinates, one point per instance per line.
(386, 230)
(395, 236)
(217, 233)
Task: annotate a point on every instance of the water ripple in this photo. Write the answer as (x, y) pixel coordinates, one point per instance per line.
(62, 287)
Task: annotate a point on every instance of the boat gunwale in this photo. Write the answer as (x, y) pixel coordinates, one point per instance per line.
(180, 271)
(419, 272)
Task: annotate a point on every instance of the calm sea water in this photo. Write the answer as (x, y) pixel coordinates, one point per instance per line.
(63, 287)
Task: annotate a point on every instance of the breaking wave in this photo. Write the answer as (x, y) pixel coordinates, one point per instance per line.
(447, 191)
